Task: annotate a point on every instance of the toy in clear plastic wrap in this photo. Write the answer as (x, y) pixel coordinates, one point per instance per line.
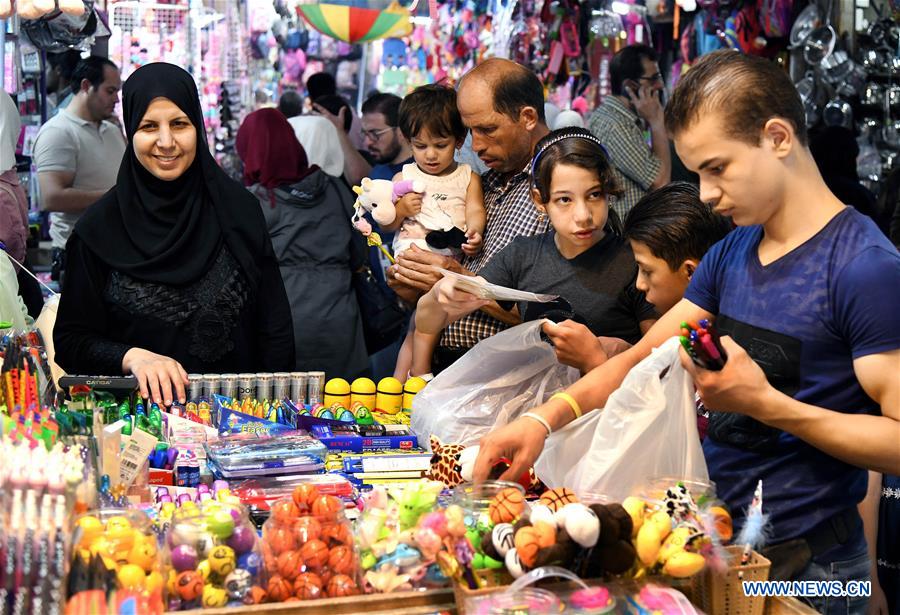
(676, 534)
(212, 556)
(246, 455)
(115, 559)
(308, 549)
(702, 344)
(399, 534)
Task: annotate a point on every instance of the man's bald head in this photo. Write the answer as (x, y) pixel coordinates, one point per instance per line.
(512, 86)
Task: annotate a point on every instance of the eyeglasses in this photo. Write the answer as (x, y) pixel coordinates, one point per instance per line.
(652, 78)
(374, 135)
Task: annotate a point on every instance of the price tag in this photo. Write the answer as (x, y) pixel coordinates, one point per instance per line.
(134, 455)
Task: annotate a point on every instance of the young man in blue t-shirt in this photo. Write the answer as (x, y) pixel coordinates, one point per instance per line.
(807, 291)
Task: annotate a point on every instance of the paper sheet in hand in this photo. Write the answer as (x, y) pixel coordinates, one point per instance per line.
(486, 290)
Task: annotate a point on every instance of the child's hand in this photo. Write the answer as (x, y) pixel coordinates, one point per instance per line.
(473, 243)
(409, 205)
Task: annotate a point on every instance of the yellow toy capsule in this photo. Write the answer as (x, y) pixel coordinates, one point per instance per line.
(337, 390)
(389, 396)
(363, 391)
(410, 390)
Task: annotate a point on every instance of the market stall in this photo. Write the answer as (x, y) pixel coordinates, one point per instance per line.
(287, 492)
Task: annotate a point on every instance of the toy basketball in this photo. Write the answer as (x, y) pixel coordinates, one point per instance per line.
(257, 595)
(340, 560)
(284, 511)
(314, 554)
(555, 499)
(327, 505)
(304, 495)
(336, 534)
(189, 585)
(502, 538)
(306, 529)
(527, 545)
(288, 564)
(506, 506)
(341, 585)
(281, 539)
(279, 589)
(308, 586)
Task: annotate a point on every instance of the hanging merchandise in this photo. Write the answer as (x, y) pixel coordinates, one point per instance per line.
(58, 31)
(356, 24)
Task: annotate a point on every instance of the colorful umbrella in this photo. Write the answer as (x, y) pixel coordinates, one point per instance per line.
(355, 24)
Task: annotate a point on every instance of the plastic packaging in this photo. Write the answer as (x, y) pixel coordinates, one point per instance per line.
(308, 549)
(115, 550)
(493, 384)
(247, 455)
(648, 428)
(212, 558)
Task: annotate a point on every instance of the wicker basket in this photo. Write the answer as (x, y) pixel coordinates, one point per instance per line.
(491, 581)
(724, 594)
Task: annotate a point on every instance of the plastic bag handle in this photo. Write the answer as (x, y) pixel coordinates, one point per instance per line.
(545, 572)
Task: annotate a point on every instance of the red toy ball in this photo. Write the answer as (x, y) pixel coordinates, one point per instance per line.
(189, 585)
(304, 495)
(306, 529)
(308, 586)
(336, 534)
(315, 554)
(288, 564)
(340, 560)
(284, 511)
(327, 505)
(280, 589)
(341, 585)
(280, 539)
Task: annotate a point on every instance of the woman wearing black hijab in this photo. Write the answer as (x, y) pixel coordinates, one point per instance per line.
(172, 269)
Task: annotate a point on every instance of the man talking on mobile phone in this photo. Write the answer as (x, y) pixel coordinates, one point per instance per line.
(634, 107)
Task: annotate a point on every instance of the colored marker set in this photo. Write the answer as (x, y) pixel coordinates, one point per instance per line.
(702, 343)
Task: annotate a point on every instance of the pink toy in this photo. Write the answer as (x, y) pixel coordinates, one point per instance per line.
(593, 600)
(379, 196)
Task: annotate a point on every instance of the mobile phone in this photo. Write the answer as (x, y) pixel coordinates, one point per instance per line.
(632, 85)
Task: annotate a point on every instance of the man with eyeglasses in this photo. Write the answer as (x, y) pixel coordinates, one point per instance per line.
(634, 105)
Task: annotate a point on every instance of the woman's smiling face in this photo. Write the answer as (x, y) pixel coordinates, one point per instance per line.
(165, 142)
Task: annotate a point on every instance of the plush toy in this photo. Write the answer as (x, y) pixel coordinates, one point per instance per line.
(414, 500)
(379, 196)
(445, 462)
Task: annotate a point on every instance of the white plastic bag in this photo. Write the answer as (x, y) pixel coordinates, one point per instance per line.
(494, 383)
(647, 430)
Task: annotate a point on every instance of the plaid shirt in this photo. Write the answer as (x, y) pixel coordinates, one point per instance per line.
(621, 132)
(510, 213)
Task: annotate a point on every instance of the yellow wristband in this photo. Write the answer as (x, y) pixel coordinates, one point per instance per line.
(569, 400)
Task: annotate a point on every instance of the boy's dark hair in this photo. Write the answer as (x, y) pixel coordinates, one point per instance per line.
(432, 108)
(387, 105)
(675, 224)
(290, 103)
(628, 64)
(333, 104)
(746, 90)
(576, 147)
(91, 68)
(320, 84)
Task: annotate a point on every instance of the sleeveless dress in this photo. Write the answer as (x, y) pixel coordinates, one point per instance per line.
(443, 207)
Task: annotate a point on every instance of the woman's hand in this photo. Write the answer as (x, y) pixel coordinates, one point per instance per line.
(521, 442)
(159, 377)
